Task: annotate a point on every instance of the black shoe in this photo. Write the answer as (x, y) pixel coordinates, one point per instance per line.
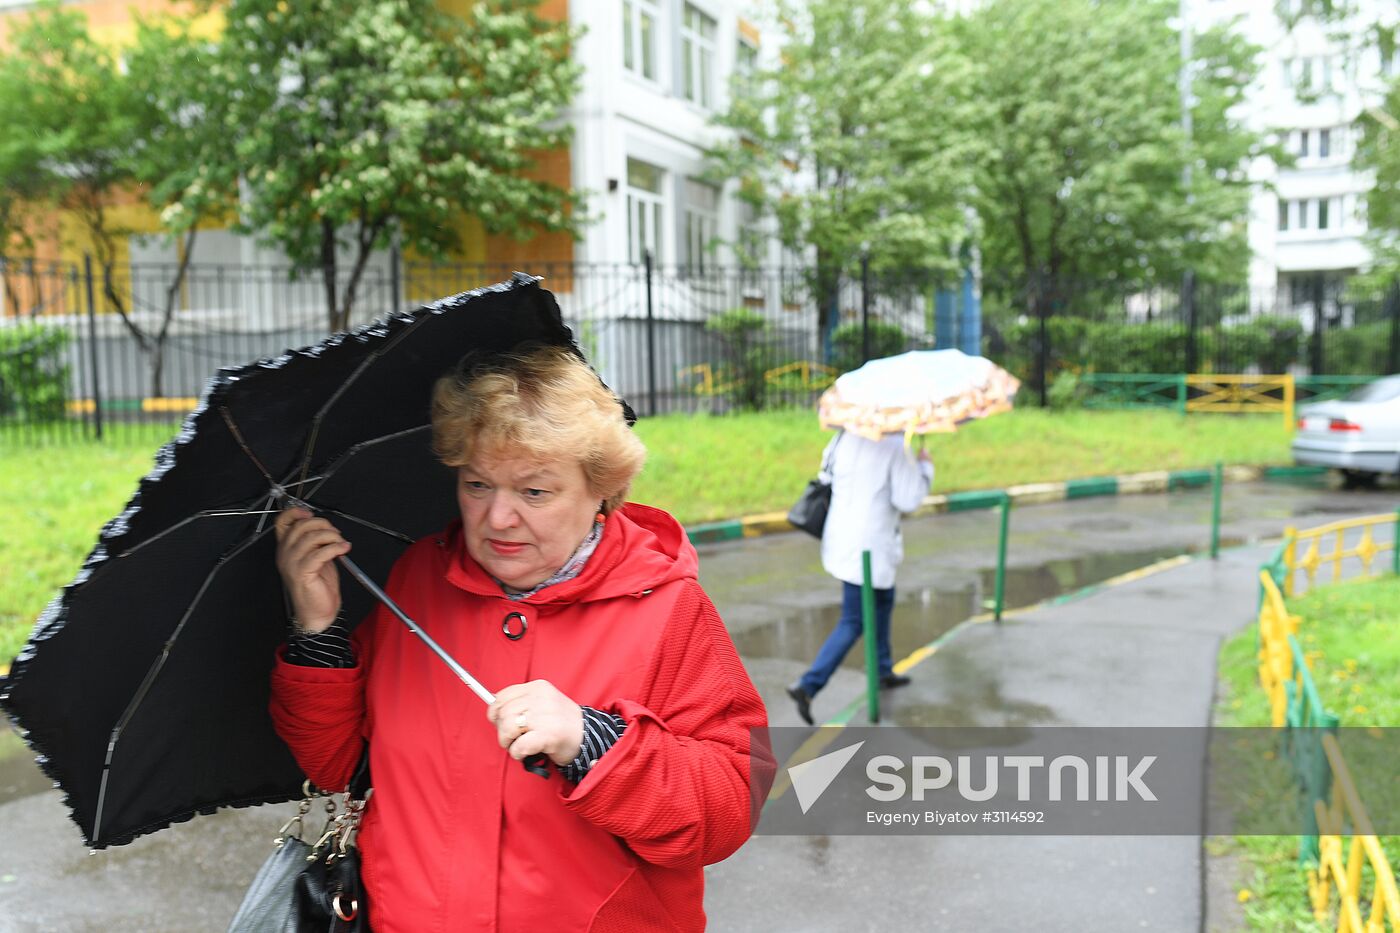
(804, 702)
(889, 681)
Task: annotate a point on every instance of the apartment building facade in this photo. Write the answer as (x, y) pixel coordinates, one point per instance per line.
(1307, 222)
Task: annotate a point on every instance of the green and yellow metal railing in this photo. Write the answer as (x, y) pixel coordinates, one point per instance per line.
(1306, 551)
(1363, 878)
(1214, 392)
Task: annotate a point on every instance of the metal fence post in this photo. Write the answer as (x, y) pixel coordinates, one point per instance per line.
(1188, 302)
(865, 308)
(651, 339)
(1316, 361)
(1395, 547)
(395, 277)
(1216, 479)
(1394, 311)
(872, 655)
(1001, 556)
(92, 347)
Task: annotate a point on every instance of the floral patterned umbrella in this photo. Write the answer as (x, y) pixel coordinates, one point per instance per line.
(920, 392)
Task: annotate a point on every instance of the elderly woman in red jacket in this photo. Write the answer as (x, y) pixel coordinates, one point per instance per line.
(585, 611)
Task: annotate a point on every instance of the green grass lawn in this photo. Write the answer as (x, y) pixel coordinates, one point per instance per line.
(1351, 634)
(701, 468)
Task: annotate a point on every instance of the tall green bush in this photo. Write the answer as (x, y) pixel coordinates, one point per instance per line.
(848, 340)
(1078, 345)
(748, 353)
(33, 374)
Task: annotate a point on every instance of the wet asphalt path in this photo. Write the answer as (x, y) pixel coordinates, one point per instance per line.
(1057, 665)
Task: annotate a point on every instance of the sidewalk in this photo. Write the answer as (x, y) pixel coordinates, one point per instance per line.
(1140, 652)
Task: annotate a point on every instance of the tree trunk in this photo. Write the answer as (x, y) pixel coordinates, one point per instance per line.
(328, 275)
(172, 294)
(365, 241)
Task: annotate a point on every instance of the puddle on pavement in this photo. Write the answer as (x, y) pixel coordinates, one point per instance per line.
(19, 775)
(922, 614)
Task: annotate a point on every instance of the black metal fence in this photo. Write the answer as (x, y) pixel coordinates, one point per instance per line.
(90, 352)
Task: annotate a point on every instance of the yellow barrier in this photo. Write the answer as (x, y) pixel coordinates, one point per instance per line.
(813, 375)
(1281, 677)
(1365, 851)
(86, 406)
(707, 385)
(1276, 671)
(176, 405)
(1232, 392)
(1366, 549)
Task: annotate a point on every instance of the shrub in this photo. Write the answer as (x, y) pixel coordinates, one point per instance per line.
(847, 341)
(33, 375)
(748, 354)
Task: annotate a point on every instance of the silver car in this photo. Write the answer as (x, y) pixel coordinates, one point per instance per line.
(1359, 435)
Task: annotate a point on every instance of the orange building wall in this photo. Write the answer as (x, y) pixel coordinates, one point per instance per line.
(113, 21)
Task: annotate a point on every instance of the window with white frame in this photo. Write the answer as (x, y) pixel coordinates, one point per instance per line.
(1324, 143)
(698, 56)
(645, 209)
(1302, 146)
(1284, 207)
(1323, 213)
(639, 32)
(701, 222)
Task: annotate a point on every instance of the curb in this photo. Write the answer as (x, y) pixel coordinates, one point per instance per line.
(1158, 481)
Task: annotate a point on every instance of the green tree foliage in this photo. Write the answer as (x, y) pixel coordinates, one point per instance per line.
(355, 124)
(179, 155)
(856, 141)
(69, 123)
(1378, 151)
(1084, 179)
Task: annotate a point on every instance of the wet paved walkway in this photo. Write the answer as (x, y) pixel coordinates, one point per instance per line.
(1141, 653)
(1138, 654)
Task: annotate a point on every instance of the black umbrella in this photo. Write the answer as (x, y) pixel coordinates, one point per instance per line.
(144, 687)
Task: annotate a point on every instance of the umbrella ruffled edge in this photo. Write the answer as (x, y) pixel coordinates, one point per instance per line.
(55, 615)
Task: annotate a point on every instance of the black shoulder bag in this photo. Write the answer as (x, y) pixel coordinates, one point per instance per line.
(809, 512)
(306, 886)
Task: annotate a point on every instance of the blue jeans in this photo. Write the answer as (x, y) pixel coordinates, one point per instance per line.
(847, 632)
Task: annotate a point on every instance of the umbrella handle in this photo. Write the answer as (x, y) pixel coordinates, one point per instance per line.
(535, 764)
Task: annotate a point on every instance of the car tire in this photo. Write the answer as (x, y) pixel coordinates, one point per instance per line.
(1359, 479)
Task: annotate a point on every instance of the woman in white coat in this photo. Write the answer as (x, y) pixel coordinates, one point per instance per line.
(872, 484)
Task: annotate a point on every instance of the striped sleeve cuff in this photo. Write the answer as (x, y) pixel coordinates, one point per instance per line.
(330, 648)
(601, 730)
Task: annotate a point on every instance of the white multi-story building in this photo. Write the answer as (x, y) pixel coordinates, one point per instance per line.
(1307, 220)
(655, 72)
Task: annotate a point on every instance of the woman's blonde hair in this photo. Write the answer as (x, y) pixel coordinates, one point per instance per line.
(540, 404)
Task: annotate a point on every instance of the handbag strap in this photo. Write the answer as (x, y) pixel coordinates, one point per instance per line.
(360, 781)
(831, 454)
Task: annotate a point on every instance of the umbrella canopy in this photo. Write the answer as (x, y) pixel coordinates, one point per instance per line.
(920, 392)
(144, 687)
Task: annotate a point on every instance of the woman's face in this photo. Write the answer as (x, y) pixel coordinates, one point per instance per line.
(524, 518)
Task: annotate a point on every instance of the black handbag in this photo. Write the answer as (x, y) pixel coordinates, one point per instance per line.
(305, 886)
(809, 512)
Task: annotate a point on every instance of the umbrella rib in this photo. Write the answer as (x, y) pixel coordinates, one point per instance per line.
(238, 436)
(368, 361)
(371, 525)
(151, 676)
(211, 513)
(345, 458)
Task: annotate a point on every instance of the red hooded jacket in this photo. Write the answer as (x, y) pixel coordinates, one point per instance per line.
(458, 836)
